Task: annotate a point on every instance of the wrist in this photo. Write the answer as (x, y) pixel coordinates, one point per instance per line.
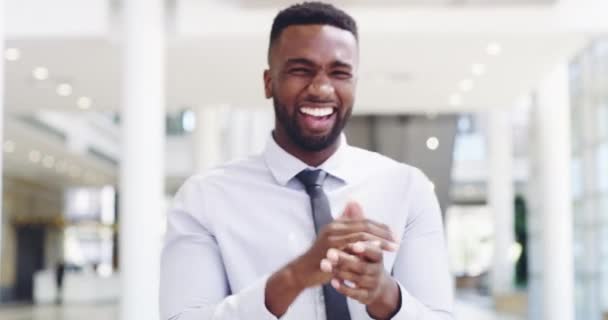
(293, 275)
(388, 302)
(303, 272)
(282, 288)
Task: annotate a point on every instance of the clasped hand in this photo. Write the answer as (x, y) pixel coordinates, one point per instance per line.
(348, 253)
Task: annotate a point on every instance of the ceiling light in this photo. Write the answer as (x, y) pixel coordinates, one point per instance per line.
(105, 270)
(84, 102)
(188, 120)
(494, 48)
(464, 124)
(478, 69)
(466, 85)
(12, 54)
(515, 251)
(34, 156)
(40, 73)
(48, 161)
(8, 146)
(432, 143)
(455, 100)
(64, 89)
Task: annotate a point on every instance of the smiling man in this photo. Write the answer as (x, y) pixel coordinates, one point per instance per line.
(312, 228)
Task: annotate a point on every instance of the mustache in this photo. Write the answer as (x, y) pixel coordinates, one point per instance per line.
(323, 103)
(319, 101)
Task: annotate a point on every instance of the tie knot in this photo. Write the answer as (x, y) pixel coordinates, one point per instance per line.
(312, 178)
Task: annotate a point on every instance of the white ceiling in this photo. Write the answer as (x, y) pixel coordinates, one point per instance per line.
(411, 61)
(399, 73)
(282, 3)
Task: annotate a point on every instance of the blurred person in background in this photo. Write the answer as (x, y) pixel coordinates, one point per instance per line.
(312, 228)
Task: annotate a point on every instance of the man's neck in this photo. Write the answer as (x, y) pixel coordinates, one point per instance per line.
(311, 158)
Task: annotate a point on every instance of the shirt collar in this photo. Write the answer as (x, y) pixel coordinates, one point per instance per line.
(285, 166)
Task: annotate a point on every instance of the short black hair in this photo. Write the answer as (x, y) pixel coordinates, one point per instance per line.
(308, 13)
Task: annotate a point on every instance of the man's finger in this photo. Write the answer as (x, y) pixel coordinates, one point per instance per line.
(341, 260)
(370, 251)
(338, 257)
(353, 211)
(340, 227)
(342, 242)
(361, 281)
(326, 265)
(360, 295)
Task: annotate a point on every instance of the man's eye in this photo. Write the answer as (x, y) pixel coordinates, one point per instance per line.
(300, 71)
(342, 74)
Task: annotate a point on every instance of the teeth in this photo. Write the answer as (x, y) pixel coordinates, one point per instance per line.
(317, 112)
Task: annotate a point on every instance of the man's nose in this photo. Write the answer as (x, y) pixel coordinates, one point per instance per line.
(321, 87)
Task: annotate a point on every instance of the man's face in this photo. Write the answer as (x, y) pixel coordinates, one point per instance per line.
(312, 80)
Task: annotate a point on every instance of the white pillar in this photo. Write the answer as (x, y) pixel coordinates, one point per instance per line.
(500, 198)
(142, 168)
(552, 122)
(239, 138)
(262, 125)
(1, 127)
(208, 138)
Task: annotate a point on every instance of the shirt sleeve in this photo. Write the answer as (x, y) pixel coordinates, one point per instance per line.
(421, 265)
(193, 283)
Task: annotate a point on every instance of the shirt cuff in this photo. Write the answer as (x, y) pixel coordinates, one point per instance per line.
(253, 302)
(409, 309)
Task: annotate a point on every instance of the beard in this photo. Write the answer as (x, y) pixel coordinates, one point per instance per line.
(296, 134)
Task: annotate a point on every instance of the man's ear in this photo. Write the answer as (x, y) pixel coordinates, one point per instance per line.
(267, 84)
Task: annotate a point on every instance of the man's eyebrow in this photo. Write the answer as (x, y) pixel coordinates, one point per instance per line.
(341, 64)
(304, 61)
(300, 61)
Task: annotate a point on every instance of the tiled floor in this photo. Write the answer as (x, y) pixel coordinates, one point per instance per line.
(468, 311)
(78, 312)
(465, 309)
(470, 305)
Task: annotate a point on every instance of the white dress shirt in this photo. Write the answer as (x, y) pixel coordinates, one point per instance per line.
(232, 227)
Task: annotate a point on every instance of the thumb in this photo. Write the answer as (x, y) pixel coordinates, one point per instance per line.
(353, 211)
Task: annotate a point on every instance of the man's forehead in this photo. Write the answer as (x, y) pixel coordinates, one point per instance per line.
(316, 42)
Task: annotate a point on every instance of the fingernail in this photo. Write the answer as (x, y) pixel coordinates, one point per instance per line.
(392, 246)
(326, 265)
(350, 284)
(358, 247)
(335, 283)
(377, 243)
(332, 255)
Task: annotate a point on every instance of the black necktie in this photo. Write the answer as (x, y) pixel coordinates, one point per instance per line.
(336, 307)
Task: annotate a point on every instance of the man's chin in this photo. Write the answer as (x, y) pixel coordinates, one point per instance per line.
(316, 142)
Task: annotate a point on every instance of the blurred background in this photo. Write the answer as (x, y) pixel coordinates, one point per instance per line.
(108, 105)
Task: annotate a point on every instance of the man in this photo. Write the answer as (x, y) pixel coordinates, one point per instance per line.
(312, 228)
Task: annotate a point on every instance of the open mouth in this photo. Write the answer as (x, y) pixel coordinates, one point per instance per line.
(317, 112)
(317, 119)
